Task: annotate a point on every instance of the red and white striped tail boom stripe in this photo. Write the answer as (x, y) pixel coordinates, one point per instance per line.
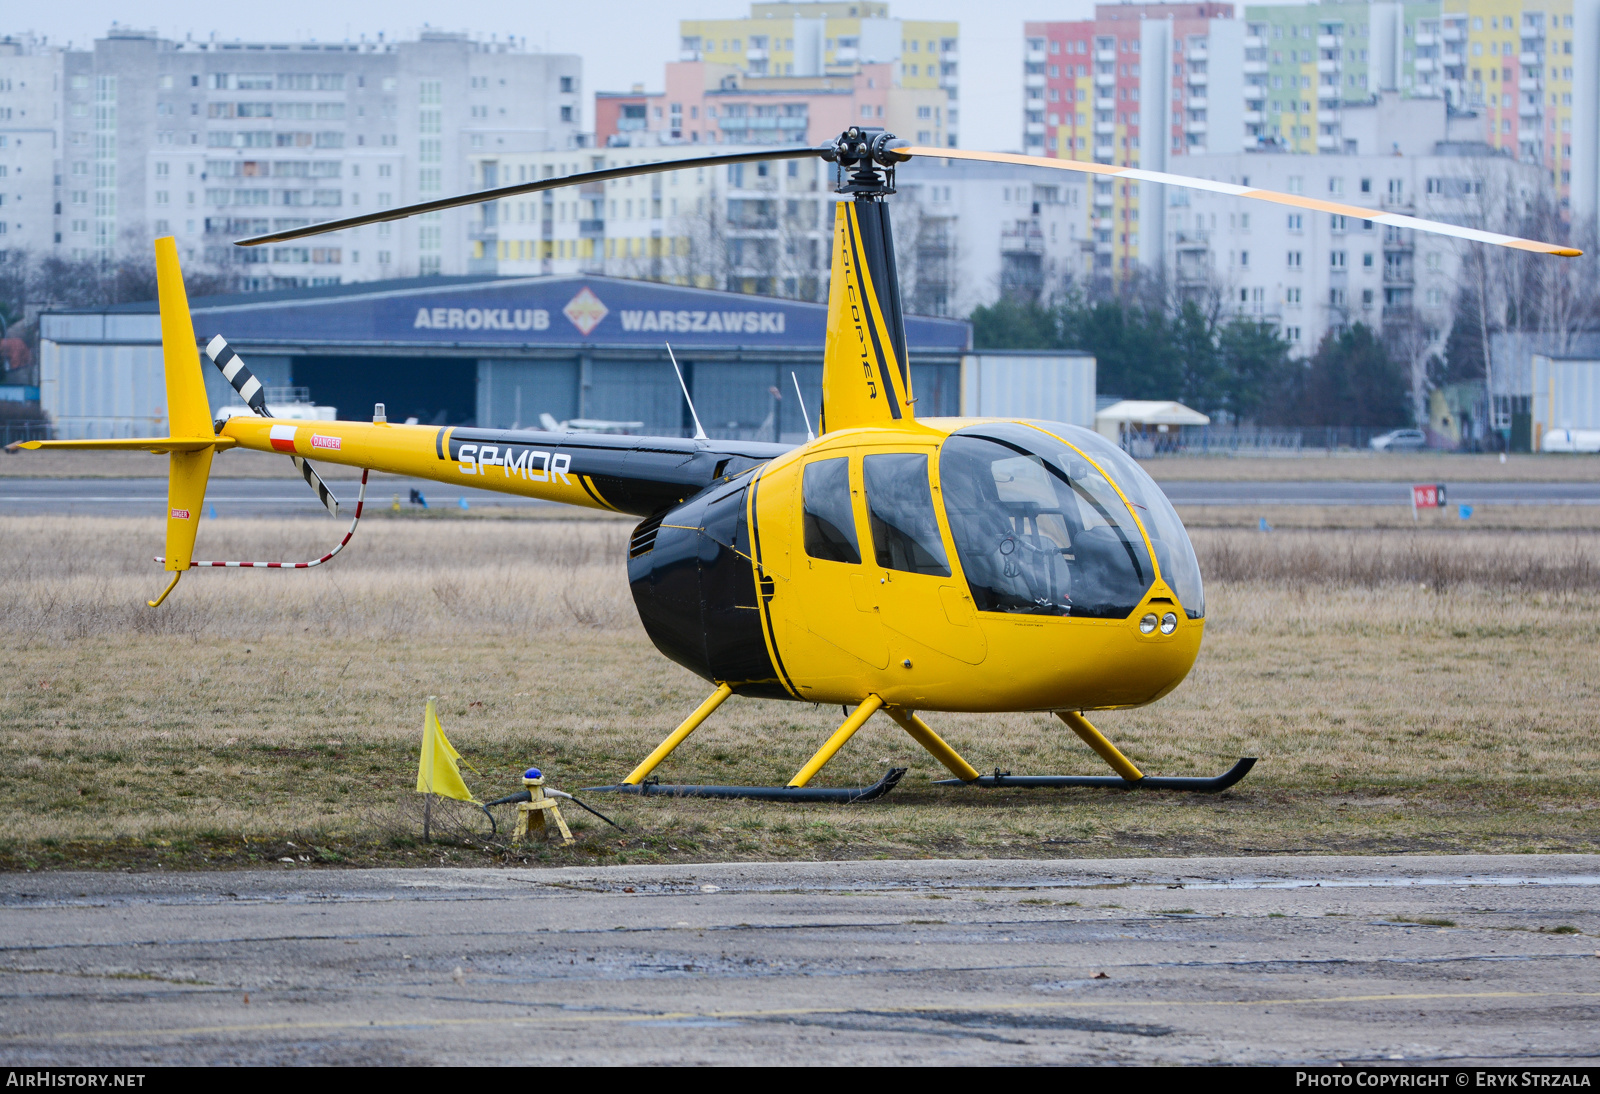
(361, 500)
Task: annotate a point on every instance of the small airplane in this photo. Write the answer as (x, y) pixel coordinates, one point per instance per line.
(587, 425)
(892, 563)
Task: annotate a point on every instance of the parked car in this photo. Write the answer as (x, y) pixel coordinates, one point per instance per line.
(1399, 440)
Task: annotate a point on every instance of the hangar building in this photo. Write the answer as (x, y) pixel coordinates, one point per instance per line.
(490, 351)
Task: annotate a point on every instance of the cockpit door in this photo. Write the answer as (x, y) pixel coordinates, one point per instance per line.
(909, 573)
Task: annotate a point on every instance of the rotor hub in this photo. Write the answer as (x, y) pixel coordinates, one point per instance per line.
(865, 160)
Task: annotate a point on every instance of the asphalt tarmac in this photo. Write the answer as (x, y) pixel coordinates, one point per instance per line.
(290, 497)
(1438, 960)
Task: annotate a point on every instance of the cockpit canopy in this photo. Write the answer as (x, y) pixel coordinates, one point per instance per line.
(1040, 528)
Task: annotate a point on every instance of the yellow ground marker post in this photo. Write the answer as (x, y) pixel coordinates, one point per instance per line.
(867, 708)
(531, 814)
(1097, 741)
(931, 741)
(676, 738)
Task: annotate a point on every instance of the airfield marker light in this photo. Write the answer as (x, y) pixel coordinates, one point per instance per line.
(1147, 625)
(1169, 623)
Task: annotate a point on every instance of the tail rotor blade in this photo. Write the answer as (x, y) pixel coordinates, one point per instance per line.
(235, 371)
(320, 488)
(250, 390)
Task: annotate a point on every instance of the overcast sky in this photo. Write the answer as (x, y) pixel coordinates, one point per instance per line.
(622, 42)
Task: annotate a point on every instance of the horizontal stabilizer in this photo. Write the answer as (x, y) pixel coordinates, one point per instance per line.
(135, 444)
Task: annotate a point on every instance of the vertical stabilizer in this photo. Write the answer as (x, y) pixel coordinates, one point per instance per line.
(188, 412)
(866, 378)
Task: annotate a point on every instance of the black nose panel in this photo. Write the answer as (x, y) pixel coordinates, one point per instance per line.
(695, 588)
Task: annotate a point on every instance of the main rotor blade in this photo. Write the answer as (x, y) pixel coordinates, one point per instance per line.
(530, 188)
(1297, 201)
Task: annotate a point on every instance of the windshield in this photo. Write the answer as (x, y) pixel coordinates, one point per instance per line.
(1174, 553)
(1039, 530)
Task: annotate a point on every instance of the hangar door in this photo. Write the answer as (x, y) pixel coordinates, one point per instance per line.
(433, 390)
(512, 394)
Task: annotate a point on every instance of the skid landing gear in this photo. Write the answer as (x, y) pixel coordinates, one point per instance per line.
(797, 790)
(1127, 777)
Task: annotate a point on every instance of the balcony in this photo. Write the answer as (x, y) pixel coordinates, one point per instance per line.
(1035, 80)
(1105, 129)
(1252, 117)
(1103, 224)
(1105, 56)
(949, 83)
(689, 55)
(755, 55)
(592, 228)
(1022, 240)
(1533, 34)
(1427, 39)
(1452, 59)
(1328, 142)
(1255, 68)
(846, 56)
(1198, 79)
(1193, 240)
(1194, 127)
(1105, 104)
(1529, 59)
(1531, 83)
(1330, 66)
(1198, 102)
(1252, 42)
(1454, 33)
(1104, 201)
(1035, 57)
(1329, 41)
(1530, 110)
(1199, 54)
(1426, 64)
(950, 56)
(1106, 79)
(1103, 248)
(1035, 129)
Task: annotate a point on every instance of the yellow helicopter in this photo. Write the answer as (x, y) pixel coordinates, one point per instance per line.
(891, 563)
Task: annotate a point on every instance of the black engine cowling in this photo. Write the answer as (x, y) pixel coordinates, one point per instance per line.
(694, 583)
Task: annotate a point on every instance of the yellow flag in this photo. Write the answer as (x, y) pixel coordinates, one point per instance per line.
(437, 773)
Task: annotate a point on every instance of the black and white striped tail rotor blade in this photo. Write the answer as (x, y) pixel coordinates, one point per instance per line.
(313, 480)
(234, 369)
(249, 388)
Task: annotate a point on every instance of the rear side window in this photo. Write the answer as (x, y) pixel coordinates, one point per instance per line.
(905, 532)
(830, 519)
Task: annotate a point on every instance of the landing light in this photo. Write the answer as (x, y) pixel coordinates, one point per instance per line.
(1147, 625)
(1169, 623)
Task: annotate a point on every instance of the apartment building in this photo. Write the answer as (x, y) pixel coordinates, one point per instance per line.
(1135, 85)
(1310, 272)
(1518, 66)
(1304, 63)
(30, 108)
(208, 141)
(716, 104)
(837, 38)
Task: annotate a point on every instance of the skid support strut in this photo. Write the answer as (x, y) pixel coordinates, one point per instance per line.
(1097, 741)
(931, 741)
(676, 738)
(836, 742)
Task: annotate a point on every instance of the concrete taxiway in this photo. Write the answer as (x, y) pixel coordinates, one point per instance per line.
(1263, 960)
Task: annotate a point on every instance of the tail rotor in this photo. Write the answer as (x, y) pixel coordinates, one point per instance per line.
(237, 373)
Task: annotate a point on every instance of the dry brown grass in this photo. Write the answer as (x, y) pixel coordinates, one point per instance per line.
(1520, 518)
(261, 708)
(1378, 467)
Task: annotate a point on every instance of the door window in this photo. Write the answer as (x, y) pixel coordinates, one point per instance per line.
(905, 531)
(830, 519)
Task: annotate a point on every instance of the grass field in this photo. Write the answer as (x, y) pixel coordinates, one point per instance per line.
(1427, 689)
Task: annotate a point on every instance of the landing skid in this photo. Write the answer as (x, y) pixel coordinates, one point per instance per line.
(840, 795)
(1149, 782)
